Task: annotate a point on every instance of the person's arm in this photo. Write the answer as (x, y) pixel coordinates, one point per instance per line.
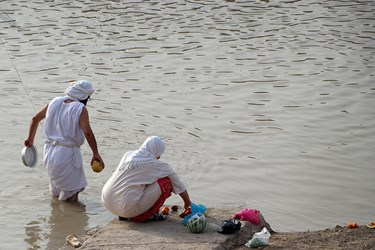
(90, 137)
(179, 188)
(185, 196)
(29, 141)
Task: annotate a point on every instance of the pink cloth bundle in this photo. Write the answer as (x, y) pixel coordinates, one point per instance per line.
(251, 215)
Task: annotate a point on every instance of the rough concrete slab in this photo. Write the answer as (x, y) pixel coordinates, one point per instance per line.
(169, 234)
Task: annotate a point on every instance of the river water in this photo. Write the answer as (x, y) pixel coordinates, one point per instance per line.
(262, 104)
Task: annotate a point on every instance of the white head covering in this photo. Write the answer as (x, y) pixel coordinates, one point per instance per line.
(80, 90)
(153, 145)
(152, 148)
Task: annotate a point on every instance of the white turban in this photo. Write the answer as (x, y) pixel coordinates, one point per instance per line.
(80, 90)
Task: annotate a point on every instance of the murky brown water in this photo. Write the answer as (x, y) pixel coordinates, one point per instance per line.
(263, 104)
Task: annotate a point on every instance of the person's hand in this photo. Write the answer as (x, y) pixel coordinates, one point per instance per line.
(185, 196)
(185, 213)
(187, 205)
(99, 159)
(28, 143)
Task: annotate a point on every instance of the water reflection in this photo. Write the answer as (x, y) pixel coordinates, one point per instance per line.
(33, 235)
(65, 219)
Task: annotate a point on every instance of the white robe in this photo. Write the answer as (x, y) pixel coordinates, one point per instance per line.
(133, 189)
(62, 155)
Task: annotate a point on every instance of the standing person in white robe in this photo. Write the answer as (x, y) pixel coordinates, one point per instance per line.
(141, 184)
(66, 127)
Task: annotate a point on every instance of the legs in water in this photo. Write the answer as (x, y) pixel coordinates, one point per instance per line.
(62, 195)
(73, 198)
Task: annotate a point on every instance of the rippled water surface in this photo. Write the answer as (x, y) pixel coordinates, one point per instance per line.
(262, 104)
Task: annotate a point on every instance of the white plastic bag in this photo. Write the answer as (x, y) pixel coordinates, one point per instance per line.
(259, 239)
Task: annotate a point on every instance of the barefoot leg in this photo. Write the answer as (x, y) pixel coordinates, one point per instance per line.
(73, 198)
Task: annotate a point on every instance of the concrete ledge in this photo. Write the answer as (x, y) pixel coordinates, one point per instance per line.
(171, 234)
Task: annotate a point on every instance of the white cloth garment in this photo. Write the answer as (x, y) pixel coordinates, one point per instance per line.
(80, 90)
(133, 189)
(62, 155)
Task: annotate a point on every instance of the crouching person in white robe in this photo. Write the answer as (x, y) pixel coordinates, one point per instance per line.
(141, 184)
(66, 127)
